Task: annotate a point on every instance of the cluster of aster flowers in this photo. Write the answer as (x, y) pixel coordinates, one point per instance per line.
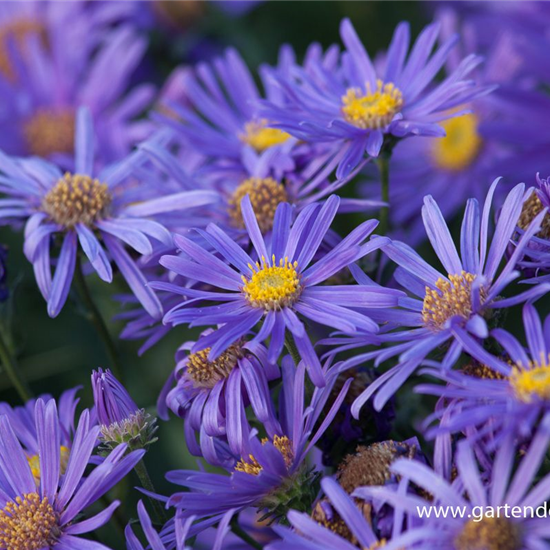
(382, 386)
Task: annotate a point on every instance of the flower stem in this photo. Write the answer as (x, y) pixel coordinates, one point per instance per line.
(290, 345)
(9, 364)
(242, 534)
(147, 484)
(384, 168)
(97, 320)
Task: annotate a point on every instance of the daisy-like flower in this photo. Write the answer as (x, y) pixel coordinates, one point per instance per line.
(357, 107)
(220, 114)
(271, 474)
(345, 529)
(498, 395)
(49, 514)
(466, 155)
(87, 210)
(22, 421)
(264, 182)
(209, 395)
(45, 78)
(483, 524)
(280, 287)
(464, 299)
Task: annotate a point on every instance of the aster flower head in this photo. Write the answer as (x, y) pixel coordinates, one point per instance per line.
(48, 514)
(280, 287)
(459, 304)
(497, 394)
(95, 212)
(209, 395)
(478, 527)
(363, 109)
(270, 474)
(346, 527)
(120, 418)
(45, 79)
(220, 114)
(22, 421)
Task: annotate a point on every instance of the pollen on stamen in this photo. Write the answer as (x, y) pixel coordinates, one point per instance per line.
(450, 298)
(531, 208)
(50, 131)
(251, 466)
(460, 147)
(532, 382)
(205, 373)
(273, 287)
(34, 463)
(28, 523)
(265, 196)
(258, 135)
(489, 534)
(372, 109)
(77, 199)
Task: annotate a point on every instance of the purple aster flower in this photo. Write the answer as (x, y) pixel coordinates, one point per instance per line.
(478, 527)
(209, 395)
(267, 183)
(120, 418)
(461, 300)
(357, 107)
(57, 56)
(345, 529)
(48, 514)
(96, 210)
(271, 474)
(22, 421)
(220, 114)
(280, 287)
(498, 394)
(463, 158)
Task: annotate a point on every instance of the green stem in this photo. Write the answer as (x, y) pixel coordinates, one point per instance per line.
(291, 348)
(97, 320)
(242, 534)
(384, 168)
(147, 484)
(10, 366)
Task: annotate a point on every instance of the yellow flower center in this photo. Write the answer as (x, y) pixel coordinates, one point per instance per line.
(372, 109)
(489, 534)
(477, 370)
(265, 195)
(205, 373)
(252, 466)
(17, 32)
(77, 199)
(460, 147)
(49, 131)
(28, 523)
(449, 299)
(531, 208)
(34, 463)
(179, 14)
(258, 135)
(532, 382)
(273, 287)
